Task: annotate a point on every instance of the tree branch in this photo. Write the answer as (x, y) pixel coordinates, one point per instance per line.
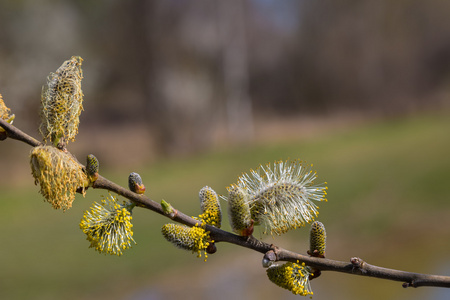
(356, 266)
(17, 134)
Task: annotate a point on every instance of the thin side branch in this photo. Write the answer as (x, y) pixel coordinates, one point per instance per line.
(356, 266)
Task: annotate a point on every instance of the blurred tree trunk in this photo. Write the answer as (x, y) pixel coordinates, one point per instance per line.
(232, 28)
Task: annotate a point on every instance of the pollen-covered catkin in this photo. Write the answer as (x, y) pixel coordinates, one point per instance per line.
(195, 239)
(58, 175)
(5, 112)
(108, 226)
(291, 276)
(210, 206)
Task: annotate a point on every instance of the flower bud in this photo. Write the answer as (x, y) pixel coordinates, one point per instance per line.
(92, 167)
(239, 211)
(317, 239)
(168, 209)
(135, 183)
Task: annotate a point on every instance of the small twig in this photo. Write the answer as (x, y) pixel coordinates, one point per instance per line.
(356, 266)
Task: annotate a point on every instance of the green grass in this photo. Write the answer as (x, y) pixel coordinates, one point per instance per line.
(388, 203)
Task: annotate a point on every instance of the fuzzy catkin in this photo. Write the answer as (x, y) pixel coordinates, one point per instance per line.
(282, 196)
(58, 175)
(61, 102)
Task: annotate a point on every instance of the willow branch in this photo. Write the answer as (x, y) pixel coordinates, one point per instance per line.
(356, 266)
(17, 134)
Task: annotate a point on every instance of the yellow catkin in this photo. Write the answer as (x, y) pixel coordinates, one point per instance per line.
(210, 206)
(108, 226)
(58, 175)
(291, 276)
(195, 239)
(61, 102)
(5, 113)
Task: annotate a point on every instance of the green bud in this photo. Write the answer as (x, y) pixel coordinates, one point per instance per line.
(168, 209)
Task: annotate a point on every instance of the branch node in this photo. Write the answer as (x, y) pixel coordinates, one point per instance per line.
(409, 284)
(211, 249)
(358, 265)
(275, 250)
(315, 253)
(315, 273)
(269, 258)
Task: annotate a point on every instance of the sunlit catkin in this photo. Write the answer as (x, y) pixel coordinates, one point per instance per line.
(5, 114)
(239, 211)
(317, 239)
(58, 175)
(61, 102)
(282, 196)
(210, 206)
(108, 227)
(195, 239)
(291, 276)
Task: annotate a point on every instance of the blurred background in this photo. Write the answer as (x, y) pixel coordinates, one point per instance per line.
(193, 93)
